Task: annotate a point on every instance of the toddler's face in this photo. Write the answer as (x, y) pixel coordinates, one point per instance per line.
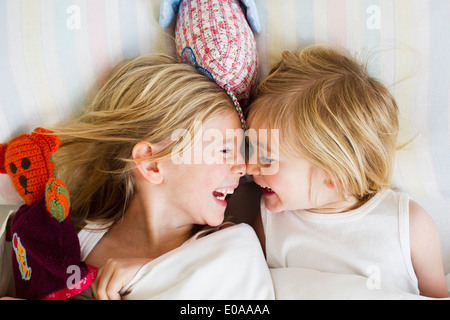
(288, 183)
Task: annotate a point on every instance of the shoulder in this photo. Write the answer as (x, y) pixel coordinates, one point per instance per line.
(89, 237)
(420, 222)
(423, 231)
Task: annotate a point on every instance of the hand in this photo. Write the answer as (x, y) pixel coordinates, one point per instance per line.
(113, 276)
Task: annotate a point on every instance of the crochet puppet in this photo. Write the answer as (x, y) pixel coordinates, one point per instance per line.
(46, 251)
(215, 37)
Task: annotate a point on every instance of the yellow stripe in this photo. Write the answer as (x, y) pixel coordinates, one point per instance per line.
(289, 25)
(160, 38)
(32, 48)
(275, 31)
(404, 93)
(321, 21)
(423, 154)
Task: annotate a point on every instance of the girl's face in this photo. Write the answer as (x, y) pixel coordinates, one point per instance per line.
(198, 182)
(288, 183)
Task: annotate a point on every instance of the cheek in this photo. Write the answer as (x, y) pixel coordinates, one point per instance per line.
(292, 189)
(200, 180)
(215, 174)
(282, 183)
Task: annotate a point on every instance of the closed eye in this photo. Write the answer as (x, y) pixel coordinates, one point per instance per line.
(265, 160)
(226, 152)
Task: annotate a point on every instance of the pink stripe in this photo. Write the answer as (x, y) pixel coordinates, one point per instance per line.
(191, 27)
(96, 12)
(337, 23)
(67, 293)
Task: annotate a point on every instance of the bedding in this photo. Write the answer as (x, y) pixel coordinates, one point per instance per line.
(309, 284)
(227, 265)
(55, 53)
(216, 267)
(224, 265)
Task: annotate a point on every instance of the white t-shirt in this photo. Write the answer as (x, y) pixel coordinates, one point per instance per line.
(372, 240)
(92, 234)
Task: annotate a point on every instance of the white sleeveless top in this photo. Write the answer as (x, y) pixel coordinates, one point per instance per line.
(372, 238)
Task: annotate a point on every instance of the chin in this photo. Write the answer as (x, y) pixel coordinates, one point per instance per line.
(216, 220)
(215, 223)
(273, 206)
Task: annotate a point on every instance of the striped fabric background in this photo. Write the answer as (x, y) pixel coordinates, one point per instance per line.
(407, 45)
(55, 53)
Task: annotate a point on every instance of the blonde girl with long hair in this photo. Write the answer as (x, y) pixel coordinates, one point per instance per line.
(135, 189)
(328, 203)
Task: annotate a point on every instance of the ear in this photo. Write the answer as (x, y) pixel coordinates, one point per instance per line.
(2, 158)
(46, 139)
(150, 171)
(329, 183)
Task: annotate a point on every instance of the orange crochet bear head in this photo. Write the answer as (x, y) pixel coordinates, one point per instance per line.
(26, 159)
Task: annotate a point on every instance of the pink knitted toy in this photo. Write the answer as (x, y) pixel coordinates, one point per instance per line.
(215, 37)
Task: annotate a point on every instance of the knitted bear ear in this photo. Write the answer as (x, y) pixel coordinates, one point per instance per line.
(46, 139)
(2, 158)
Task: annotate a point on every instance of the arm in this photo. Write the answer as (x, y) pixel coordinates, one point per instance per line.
(426, 253)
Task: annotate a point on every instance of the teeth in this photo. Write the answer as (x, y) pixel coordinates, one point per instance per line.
(267, 188)
(221, 197)
(221, 194)
(225, 191)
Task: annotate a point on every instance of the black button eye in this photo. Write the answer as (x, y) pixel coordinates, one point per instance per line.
(26, 163)
(13, 168)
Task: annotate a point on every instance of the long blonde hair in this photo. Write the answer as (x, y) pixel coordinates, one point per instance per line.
(333, 113)
(145, 99)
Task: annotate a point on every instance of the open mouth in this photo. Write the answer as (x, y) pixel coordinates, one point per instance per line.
(267, 190)
(222, 194)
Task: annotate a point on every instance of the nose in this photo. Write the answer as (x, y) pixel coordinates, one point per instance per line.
(23, 181)
(253, 169)
(238, 169)
(253, 166)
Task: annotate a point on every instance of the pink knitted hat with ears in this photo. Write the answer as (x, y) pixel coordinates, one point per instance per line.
(215, 37)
